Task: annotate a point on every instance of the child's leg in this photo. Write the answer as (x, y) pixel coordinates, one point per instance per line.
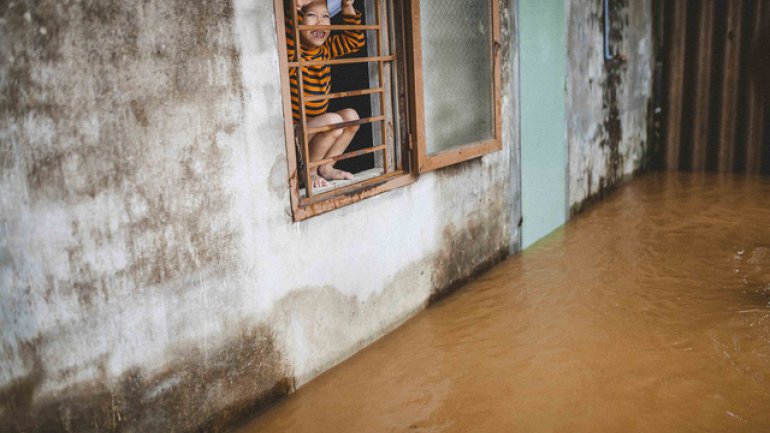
(340, 144)
(331, 143)
(321, 142)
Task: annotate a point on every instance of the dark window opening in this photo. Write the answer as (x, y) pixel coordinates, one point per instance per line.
(352, 77)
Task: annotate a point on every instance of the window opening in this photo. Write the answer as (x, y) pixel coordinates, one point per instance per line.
(359, 81)
(397, 134)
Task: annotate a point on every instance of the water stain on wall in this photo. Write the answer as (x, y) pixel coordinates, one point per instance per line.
(124, 204)
(100, 107)
(611, 98)
(484, 237)
(612, 122)
(198, 391)
(279, 181)
(329, 325)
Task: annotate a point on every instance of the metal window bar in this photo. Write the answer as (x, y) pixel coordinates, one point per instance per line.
(300, 63)
(343, 61)
(346, 94)
(300, 99)
(399, 143)
(345, 124)
(341, 27)
(381, 77)
(348, 155)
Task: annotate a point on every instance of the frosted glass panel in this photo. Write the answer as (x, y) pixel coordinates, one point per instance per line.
(457, 72)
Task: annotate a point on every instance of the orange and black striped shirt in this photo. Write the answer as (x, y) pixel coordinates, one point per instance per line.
(316, 80)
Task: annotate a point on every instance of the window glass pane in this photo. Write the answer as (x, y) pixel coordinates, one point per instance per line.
(457, 72)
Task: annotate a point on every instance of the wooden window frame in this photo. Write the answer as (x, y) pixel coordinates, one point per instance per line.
(401, 173)
(427, 162)
(406, 55)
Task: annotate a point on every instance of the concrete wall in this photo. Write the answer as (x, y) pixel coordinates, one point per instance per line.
(608, 103)
(151, 278)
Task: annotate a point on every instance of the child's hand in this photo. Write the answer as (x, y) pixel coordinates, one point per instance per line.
(347, 7)
(302, 3)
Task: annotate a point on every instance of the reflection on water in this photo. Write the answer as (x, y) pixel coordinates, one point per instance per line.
(648, 313)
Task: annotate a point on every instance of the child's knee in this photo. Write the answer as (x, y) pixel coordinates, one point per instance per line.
(335, 118)
(349, 115)
(334, 133)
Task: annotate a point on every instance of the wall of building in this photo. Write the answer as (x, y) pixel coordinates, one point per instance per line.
(608, 102)
(151, 277)
(715, 71)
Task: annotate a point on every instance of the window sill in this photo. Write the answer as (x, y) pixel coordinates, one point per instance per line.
(352, 192)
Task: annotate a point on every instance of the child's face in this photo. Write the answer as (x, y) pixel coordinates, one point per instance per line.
(315, 14)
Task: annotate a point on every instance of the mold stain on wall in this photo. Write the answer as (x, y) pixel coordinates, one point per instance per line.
(613, 125)
(322, 326)
(206, 392)
(608, 100)
(482, 240)
(116, 123)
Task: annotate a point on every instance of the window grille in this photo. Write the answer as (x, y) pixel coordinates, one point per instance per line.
(382, 90)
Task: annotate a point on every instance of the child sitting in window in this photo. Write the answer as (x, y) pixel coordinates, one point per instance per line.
(320, 45)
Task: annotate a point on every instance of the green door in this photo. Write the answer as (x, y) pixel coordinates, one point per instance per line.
(543, 126)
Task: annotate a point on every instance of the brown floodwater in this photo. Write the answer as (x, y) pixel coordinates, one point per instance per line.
(649, 312)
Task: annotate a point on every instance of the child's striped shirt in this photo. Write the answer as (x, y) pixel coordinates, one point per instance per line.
(316, 80)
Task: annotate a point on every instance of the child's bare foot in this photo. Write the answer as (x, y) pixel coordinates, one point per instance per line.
(330, 173)
(318, 181)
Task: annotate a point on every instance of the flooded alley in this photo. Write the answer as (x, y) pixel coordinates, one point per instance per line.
(649, 312)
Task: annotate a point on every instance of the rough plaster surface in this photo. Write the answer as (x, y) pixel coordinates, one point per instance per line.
(151, 278)
(607, 102)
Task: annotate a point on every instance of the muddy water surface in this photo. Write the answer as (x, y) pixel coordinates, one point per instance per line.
(647, 313)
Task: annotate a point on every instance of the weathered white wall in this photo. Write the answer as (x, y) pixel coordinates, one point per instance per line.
(151, 278)
(607, 102)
